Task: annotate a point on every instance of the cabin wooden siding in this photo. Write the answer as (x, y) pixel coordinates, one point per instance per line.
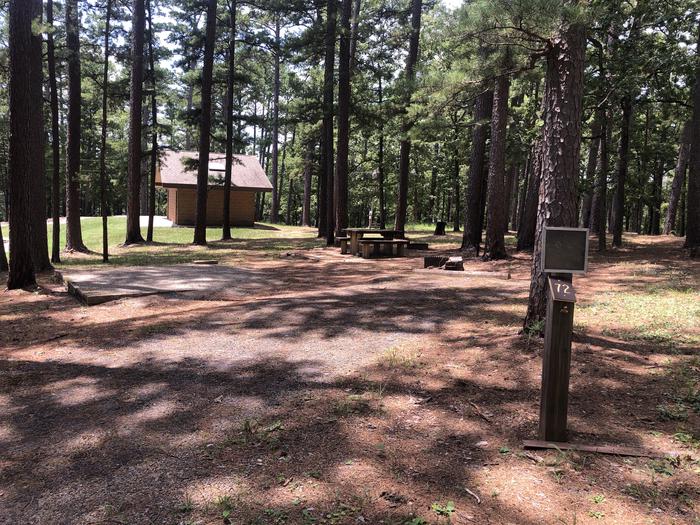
(182, 205)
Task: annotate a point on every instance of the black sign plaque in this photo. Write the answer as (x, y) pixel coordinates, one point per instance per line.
(564, 250)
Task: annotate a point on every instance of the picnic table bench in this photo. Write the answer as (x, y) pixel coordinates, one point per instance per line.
(373, 247)
(357, 234)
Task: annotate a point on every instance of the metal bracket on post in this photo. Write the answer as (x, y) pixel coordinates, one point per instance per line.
(556, 361)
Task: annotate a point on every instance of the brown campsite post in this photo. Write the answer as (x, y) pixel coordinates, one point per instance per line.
(557, 357)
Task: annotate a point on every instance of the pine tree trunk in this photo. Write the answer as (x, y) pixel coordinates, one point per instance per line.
(55, 139)
(495, 246)
(74, 235)
(22, 147)
(103, 135)
(405, 144)
(471, 240)
(433, 183)
(678, 178)
(591, 164)
(655, 215)
(343, 120)
(692, 200)
(327, 208)
(200, 222)
(560, 150)
(154, 126)
(380, 162)
(455, 188)
(600, 193)
(618, 204)
(274, 210)
(39, 238)
(133, 199)
(308, 175)
(528, 218)
(509, 181)
(523, 193)
(228, 167)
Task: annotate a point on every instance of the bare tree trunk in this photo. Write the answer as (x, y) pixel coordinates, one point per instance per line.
(74, 235)
(133, 200)
(591, 165)
(678, 178)
(618, 205)
(560, 150)
(600, 194)
(154, 124)
(433, 183)
(692, 227)
(327, 208)
(308, 175)
(455, 188)
(495, 246)
(55, 140)
(656, 200)
(200, 222)
(103, 135)
(39, 238)
(228, 168)
(528, 218)
(343, 120)
(510, 178)
(405, 144)
(380, 162)
(22, 148)
(471, 240)
(274, 210)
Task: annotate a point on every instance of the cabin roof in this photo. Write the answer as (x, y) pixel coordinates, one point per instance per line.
(246, 174)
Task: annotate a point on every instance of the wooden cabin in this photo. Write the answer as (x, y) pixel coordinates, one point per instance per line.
(177, 173)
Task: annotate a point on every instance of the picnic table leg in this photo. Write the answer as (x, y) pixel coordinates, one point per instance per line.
(353, 243)
(401, 250)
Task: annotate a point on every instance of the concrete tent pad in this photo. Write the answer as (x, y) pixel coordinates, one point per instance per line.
(99, 286)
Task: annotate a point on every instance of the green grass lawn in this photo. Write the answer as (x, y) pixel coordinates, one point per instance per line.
(174, 245)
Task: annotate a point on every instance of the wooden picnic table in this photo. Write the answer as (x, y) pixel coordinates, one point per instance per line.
(356, 234)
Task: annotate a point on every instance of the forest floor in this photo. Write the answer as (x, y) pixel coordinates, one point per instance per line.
(349, 391)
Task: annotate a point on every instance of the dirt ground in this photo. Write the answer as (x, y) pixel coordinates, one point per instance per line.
(347, 391)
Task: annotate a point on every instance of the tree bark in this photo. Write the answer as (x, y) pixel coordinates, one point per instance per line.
(103, 135)
(618, 204)
(55, 139)
(380, 161)
(528, 217)
(405, 144)
(495, 246)
(692, 200)
(200, 222)
(327, 208)
(228, 168)
(455, 188)
(133, 200)
(600, 194)
(343, 120)
(74, 235)
(39, 238)
(591, 164)
(22, 148)
(154, 127)
(274, 210)
(560, 150)
(678, 178)
(471, 240)
(308, 175)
